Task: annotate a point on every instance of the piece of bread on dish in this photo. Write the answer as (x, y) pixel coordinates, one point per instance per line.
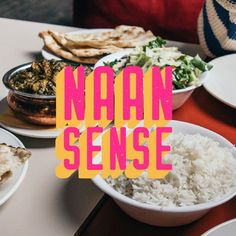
(10, 159)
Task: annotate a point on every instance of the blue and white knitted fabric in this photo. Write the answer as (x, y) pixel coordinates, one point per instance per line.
(217, 27)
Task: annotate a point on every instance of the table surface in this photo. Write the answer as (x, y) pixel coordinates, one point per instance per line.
(45, 205)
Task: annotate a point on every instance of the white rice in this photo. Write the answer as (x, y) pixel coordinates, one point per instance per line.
(202, 171)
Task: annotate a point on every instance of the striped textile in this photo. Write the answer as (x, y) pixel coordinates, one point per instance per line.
(217, 27)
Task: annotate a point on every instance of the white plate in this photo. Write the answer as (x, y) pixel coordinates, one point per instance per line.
(48, 55)
(8, 188)
(227, 228)
(33, 133)
(221, 80)
(187, 48)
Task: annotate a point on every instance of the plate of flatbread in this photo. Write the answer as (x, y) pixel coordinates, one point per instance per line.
(88, 46)
(13, 164)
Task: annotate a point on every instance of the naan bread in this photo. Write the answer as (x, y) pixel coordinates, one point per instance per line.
(52, 45)
(82, 51)
(133, 36)
(90, 47)
(10, 159)
(122, 36)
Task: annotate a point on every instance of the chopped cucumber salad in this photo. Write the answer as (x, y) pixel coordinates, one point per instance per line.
(186, 69)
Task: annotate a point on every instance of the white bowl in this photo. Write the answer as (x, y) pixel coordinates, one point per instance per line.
(167, 216)
(180, 96)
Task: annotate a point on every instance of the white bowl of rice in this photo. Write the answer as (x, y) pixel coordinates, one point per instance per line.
(203, 177)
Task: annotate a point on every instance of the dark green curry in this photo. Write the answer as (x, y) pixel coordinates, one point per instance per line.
(40, 78)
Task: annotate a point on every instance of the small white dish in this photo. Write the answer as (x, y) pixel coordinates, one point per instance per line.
(167, 216)
(180, 96)
(227, 228)
(33, 133)
(221, 80)
(8, 188)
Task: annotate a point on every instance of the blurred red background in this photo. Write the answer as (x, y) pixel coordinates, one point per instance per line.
(171, 19)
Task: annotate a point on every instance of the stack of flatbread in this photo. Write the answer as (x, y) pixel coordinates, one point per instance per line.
(10, 159)
(90, 47)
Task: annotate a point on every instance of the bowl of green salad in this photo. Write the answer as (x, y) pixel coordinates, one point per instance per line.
(188, 72)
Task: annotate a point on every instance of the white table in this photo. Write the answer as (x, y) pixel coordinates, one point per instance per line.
(43, 205)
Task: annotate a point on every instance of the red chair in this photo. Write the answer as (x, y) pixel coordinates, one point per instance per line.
(171, 19)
